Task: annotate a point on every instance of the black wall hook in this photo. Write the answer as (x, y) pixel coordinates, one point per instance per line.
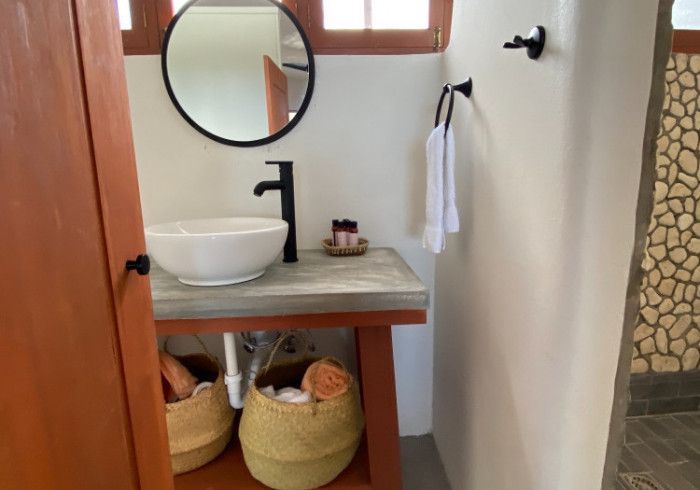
(534, 43)
(464, 88)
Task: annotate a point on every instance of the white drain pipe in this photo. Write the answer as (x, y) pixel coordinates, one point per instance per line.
(233, 377)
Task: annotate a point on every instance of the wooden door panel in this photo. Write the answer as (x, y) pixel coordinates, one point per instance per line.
(81, 406)
(108, 112)
(276, 96)
(64, 418)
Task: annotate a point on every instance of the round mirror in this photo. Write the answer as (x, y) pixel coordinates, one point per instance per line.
(241, 72)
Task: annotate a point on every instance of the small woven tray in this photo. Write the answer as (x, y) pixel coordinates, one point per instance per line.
(358, 249)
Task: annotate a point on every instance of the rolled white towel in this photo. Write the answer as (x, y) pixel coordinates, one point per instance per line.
(287, 395)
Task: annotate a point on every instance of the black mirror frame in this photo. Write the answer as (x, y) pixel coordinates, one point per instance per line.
(259, 142)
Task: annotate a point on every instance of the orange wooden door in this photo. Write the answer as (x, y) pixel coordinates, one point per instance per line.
(276, 96)
(79, 407)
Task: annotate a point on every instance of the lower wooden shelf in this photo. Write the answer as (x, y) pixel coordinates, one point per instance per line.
(229, 472)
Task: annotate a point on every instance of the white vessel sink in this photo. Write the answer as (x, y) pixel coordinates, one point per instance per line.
(219, 251)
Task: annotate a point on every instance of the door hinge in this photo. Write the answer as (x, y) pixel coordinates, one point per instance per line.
(437, 38)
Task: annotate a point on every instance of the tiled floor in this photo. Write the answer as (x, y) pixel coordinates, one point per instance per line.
(661, 452)
(420, 464)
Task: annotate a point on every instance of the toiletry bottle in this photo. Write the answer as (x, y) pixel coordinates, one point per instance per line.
(353, 236)
(342, 237)
(334, 232)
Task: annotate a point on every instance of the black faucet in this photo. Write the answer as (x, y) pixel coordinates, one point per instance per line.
(286, 186)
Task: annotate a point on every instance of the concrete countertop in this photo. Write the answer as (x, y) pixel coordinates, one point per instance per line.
(380, 280)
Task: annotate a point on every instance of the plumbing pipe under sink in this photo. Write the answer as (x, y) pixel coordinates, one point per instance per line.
(256, 365)
(235, 384)
(233, 377)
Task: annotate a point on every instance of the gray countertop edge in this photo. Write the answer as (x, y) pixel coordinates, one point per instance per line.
(344, 303)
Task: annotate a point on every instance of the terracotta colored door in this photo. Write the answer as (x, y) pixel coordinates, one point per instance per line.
(79, 404)
(276, 96)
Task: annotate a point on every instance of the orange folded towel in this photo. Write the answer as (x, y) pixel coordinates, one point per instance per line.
(325, 379)
(177, 376)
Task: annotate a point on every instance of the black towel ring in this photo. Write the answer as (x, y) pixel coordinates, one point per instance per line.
(464, 87)
(446, 89)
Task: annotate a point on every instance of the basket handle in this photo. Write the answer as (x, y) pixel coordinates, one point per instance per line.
(281, 340)
(199, 341)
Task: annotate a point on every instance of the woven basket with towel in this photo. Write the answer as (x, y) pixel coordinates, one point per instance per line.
(290, 446)
(199, 427)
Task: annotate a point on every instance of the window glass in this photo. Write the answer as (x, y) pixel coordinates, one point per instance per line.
(400, 14)
(124, 10)
(686, 14)
(343, 14)
(177, 4)
(376, 14)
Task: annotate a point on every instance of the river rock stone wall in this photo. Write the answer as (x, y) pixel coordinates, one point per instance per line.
(667, 335)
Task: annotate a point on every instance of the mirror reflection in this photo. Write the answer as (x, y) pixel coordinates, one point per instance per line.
(239, 71)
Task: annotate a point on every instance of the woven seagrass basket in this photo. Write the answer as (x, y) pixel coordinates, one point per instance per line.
(199, 427)
(347, 251)
(290, 446)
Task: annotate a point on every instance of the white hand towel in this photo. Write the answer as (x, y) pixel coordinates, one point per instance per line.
(451, 219)
(440, 211)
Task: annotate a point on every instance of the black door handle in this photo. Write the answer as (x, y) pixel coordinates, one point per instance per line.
(142, 265)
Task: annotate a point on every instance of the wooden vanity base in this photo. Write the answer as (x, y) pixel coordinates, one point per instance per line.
(375, 357)
(377, 464)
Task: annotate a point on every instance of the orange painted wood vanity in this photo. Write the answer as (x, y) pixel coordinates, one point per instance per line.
(369, 293)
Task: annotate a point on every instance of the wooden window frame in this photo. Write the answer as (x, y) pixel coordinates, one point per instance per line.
(376, 41)
(686, 41)
(150, 18)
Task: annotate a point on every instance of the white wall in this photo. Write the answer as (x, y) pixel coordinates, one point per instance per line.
(358, 153)
(530, 296)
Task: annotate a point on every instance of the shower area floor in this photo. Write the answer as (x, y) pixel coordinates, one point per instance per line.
(661, 452)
